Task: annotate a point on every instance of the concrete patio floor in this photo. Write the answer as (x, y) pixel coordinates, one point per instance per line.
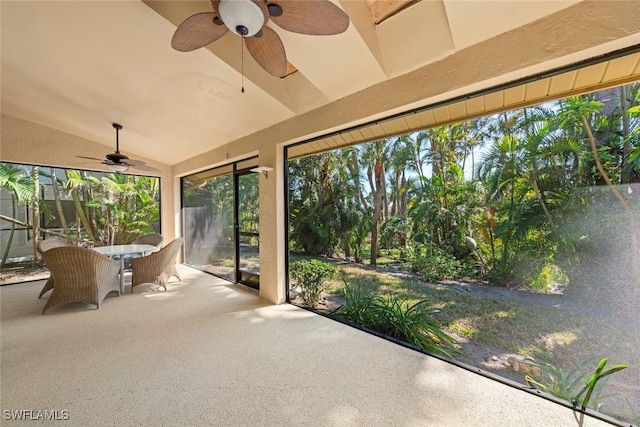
(209, 353)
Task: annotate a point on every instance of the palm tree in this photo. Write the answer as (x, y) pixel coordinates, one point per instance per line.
(18, 183)
(35, 205)
(58, 202)
(375, 155)
(77, 184)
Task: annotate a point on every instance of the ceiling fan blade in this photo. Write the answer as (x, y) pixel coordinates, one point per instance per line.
(90, 158)
(268, 51)
(313, 17)
(145, 168)
(197, 31)
(140, 165)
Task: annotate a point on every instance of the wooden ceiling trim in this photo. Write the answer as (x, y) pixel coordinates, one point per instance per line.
(413, 121)
(387, 128)
(494, 101)
(622, 67)
(537, 90)
(429, 118)
(458, 110)
(590, 76)
(475, 106)
(514, 95)
(562, 82)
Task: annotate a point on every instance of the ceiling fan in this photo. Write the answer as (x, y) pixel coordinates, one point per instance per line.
(249, 18)
(118, 162)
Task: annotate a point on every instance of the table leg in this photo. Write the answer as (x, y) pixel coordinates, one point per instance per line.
(122, 274)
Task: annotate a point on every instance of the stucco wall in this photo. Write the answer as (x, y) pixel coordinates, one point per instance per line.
(30, 143)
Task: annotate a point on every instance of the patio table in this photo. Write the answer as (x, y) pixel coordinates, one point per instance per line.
(121, 251)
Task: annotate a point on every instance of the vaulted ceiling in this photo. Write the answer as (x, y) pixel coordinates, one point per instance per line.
(78, 66)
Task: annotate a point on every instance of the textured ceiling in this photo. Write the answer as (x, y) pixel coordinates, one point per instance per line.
(78, 66)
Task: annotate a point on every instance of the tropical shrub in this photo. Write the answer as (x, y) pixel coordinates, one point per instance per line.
(311, 276)
(396, 318)
(434, 264)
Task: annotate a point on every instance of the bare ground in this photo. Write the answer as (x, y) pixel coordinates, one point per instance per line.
(22, 272)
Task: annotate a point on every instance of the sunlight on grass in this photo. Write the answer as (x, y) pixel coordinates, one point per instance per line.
(504, 323)
(464, 327)
(557, 339)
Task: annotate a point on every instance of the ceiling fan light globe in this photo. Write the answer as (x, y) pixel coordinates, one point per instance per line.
(118, 167)
(241, 16)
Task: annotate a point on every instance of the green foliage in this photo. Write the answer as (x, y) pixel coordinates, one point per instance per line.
(574, 385)
(548, 278)
(395, 318)
(124, 206)
(316, 204)
(393, 233)
(16, 180)
(311, 276)
(524, 186)
(434, 264)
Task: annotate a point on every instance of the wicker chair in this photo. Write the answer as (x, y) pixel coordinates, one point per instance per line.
(155, 267)
(154, 239)
(43, 246)
(81, 275)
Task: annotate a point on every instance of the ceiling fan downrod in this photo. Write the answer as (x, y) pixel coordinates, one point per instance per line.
(117, 127)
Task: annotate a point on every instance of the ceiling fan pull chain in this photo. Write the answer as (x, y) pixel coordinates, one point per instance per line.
(242, 62)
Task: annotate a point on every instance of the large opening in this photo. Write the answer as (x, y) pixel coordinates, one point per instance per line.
(86, 208)
(507, 244)
(220, 222)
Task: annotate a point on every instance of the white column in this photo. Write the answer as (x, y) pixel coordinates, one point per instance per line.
(272, 223)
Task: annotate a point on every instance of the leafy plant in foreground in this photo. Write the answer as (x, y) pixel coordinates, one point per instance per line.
(571, 385)
(395, 318)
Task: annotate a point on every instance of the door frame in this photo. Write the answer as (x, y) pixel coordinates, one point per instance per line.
(246, 278)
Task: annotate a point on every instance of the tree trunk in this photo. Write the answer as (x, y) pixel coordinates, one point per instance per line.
(87, 195)
(377, 210)
(435, 158)
(354, 170)
(5, 255)
(626, 147)
(395, 204)
(633, 228)
(385, 196)
(82, 214)
(36, 213)
(538, 193)
(29, 225)
(402, 209)
(603, 173)
(345, 245)
(58, 202)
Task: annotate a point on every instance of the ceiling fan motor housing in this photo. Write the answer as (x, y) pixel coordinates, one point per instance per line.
(116, 157)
